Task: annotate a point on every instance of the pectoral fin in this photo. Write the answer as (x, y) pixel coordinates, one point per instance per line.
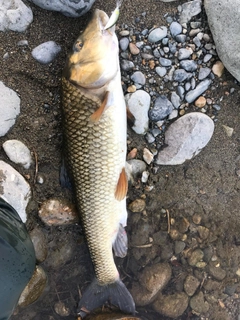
(122, 186)
(120, 245)
(98, 113)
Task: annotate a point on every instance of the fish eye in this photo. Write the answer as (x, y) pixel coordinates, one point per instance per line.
(77, 46)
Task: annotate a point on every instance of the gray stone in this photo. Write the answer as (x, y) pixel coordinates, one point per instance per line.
(188, 65)
(172, 47)
(157, 34)
(18, 153)
(9, 108)
(123, 43)
(185, 138)
(223, 19)
(46, 52)
(127, 65)
(14, 189)
(184, 53)
(70, 8)
(175, 99)
(161, 109)
(135, 167)
(175, 28)
(181, 75)
(195, 257)
(139, 78)
(139, 104)
(207, 57)
(200, 88)
(181, 38)
(197, 42)
(180, 91)
(179, 246)
(161, 71)
(165, 62)
(15, 16)
(189, 10)
(217, 272)
(171, 306)
(203, 73)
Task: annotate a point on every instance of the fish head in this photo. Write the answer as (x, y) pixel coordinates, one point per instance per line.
(93, 61)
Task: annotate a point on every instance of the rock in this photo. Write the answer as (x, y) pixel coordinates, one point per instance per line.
(190, 285)
(184, 53)
(196, 256)
(15, 16)
(218, 68)
(157, 34)
(200, 88)
(126, 65)
(137, 205)
(173, 114)
(198, 304)
(165, 62)
(175, 28)
(61, 309)
(203, 232)
(18, 153)
(34, 288)
(138, 78)
(188, 65)
(203, 73)
(161, 109)
(9, 108)
(189, 10)
(145, 176)
(136, 167)
(69, 8)
(185, 138)
(200, 102)
(139, 104)
(132, 154)
(123, 43)
(223, 19)
(171, 306)
(58, 212)
(147, 156)
(181, 38)
(228, 130)
(40, 244)
(217, 272)
(180, 75)
(176, 100)
(14, 189)
(133, 49)
(141, 296)
(161, 71)
(179, 246)
(46, 52)
(155, 277)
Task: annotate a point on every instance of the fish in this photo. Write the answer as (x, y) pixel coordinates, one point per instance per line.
(94, 131)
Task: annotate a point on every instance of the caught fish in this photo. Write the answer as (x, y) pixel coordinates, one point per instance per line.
(94, 120)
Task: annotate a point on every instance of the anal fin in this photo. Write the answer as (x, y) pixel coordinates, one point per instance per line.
(122, 186)
(120, 245)
(98, 113)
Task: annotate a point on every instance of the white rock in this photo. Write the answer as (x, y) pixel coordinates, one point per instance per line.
(134, 168)
(185, 138)
(9, 108)
(224, 22)
(17, 152)
(139, 104)
(14, 15)
(147, 156)
(14, 189)
(70, 8)
(46, 52)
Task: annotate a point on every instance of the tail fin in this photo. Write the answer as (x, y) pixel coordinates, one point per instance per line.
(96, 295)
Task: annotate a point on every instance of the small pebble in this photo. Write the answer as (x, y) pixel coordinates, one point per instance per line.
(137, 205)
(147, 156)
(133, 49)
(218, 69)
(200, 102)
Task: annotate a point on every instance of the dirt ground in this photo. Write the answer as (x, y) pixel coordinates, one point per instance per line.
(208, 185)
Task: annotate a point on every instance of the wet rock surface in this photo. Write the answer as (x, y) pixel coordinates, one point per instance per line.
(189, 219)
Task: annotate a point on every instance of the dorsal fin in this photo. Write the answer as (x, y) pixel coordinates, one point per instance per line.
(98, 113)
(122, 186)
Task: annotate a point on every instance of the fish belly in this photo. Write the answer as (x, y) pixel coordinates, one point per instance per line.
(95, 156)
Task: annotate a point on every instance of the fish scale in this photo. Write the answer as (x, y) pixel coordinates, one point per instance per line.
(93, 156)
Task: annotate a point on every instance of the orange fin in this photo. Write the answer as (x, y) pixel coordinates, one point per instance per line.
(122, 186)
(98, 113)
